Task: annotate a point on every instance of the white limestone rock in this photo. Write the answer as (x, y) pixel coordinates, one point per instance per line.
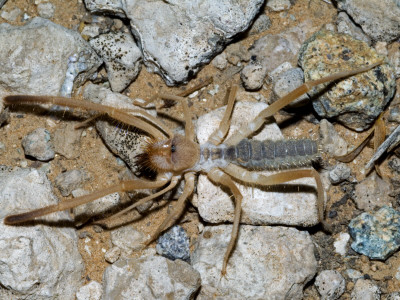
(267, 263)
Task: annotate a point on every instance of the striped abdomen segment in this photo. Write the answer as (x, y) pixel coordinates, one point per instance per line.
(273, 155)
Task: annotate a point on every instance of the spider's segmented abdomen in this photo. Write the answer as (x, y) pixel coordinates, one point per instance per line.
(273, 155)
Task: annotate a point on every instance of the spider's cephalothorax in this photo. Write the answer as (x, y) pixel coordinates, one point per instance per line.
(176, 157)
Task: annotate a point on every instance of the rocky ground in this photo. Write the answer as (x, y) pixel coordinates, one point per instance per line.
(115, 54)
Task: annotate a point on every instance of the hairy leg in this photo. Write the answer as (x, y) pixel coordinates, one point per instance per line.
(124, 186)
(218, 176)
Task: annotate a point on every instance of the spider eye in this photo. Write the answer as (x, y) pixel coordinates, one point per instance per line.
(173, 148)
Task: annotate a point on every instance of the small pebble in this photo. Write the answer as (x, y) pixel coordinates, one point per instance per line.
(340, 243)
(262, 23)
(393, 296)
(365, 289)
(287, 81)
(330, 284)
(38, 144)
(91, 291)
(112, 255)
(46, 10)
(278, 5)
(253, 76)
(68, 181)
(339, 173)
(220, 61)
(353, 274)
(376, 234)
(372, 192)
(331, 141)
(174, 244)
(127, 239)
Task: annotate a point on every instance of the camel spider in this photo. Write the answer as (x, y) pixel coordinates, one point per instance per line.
(175, 156)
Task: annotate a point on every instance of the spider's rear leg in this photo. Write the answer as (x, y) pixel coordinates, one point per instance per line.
(218, 176)
(278, 178)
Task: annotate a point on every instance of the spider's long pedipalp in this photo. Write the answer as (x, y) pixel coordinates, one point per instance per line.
(218, 176)
(253, 126)
(124, 186)
(108, 110)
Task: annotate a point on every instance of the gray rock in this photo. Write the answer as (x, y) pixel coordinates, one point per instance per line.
(70, 180)
(394, 114)
(220, 61)
(393, 296)
(278, 5)
(33, 259)
(339, 173)
(121, 56)
(354, 275)
(261, 24)
(286, 82)
(365, 289)
(128, 239)
(112, 255)
(257, 268)
(253, 76)
(376, 234)
(150, 277)
(4, 114)
(378, 19)
(270, 205)
(331, 141)
(189, 34)
(372, 192)
(46, 10)
(394, 57)
(356, 101)
(66, 140)
(45, 70)
(273, 50)
(91, 291)
(394, 164)
(345, 25)
(122, 140)
(12, 15)
(38, 144)
(237, 53)
(174, 244)
(330, 284)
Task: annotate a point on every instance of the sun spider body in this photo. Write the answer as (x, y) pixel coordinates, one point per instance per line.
(176, 157)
